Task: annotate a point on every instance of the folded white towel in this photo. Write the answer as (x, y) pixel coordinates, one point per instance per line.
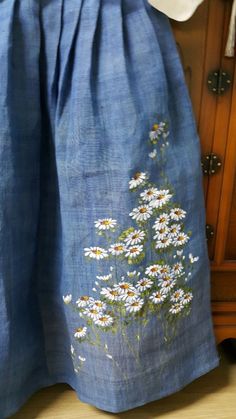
(176, 9)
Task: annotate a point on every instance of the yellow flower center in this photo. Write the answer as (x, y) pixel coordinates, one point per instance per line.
(137, 175)
(103, 319)
(125, 286)
(85, 298)
(105, 222)
(143, 210)
(97, 252)
(98, 304)
(133, 250)
(93, 311)
(119, 247)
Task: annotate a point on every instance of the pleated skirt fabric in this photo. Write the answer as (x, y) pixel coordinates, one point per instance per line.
(104, 269)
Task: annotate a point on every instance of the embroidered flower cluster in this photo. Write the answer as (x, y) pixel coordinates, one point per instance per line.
(159, 285)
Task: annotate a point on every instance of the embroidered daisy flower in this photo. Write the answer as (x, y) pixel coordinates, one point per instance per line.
(176, 308)
(136, 237)
(177, 295)
(149, 194)
(164, 270)
(80, 332)
(135, 305)
(153, 270)
(193, 259)
(96, 252)
(138, 179)
(157, 131)
(144, 284)
(92, 312)
(117, 249)
(162, 233)
(81, 358)
(168, 279)
(177, 268)
(105, 223)
(131, 274)
(142, 213)
(84, 301)
(129, 295)
(161, 221)
(167, 286)
(134, 251)
(110, 294)
(158, 297)
(161, 199)
(123, 287)
(187, 297)
(180, 239)
(177, 214)
(153, 154)
(163, 243)
(104, 277)
(98, 304)
(67, 298)
(104, 320)
(166, 276)
(174, 229)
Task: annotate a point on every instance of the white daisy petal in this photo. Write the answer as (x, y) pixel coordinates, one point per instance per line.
(176, 308)
(110, 294)
(161, 199)
(80, 332)
(141, 213)
(104, 320)
(117, 249)
(136, 237)
(144, 284)
(104, 277)
(158, 297)
(177, 214)
(135, 305)
(105, 223)
(95, 252)
(177, 295)
(134, 251)
(138, 179)
(67, 298)
(149, 194)
(180, 239)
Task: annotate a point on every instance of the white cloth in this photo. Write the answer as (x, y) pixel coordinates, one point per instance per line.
(176, 9)
(230, 46)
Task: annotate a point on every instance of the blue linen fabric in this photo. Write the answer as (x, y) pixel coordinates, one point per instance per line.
(104, 275)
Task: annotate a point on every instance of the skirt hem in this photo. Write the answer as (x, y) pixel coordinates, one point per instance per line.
(44, 383)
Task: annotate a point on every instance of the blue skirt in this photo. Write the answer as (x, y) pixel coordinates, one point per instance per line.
(104, 269)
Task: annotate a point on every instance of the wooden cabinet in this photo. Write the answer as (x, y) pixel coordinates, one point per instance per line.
(212, 85)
